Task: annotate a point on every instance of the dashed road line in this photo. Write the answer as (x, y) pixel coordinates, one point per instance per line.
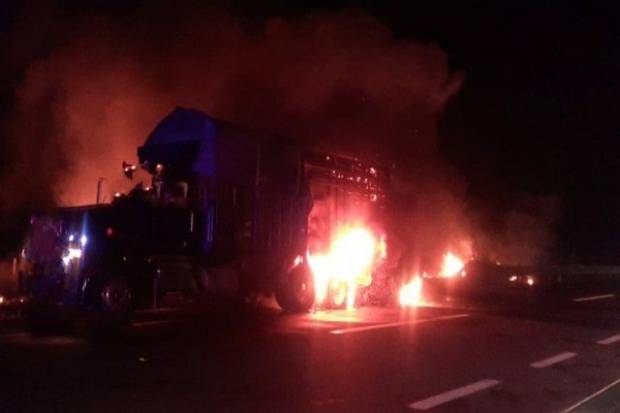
(593, 298)
(609, 340)
(334, 318)
(590, 397)
(315, 324)
(395, 324)
(454, 394)
(558, 358)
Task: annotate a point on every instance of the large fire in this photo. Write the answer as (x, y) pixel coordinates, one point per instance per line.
(346, 266)
(451, 265)
(410, 294)
(349, 262)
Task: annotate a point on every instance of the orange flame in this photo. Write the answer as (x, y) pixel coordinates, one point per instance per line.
(346, 266)
(410, 294)
(451, 265)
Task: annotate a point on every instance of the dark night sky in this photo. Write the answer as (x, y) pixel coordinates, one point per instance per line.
(537, 113)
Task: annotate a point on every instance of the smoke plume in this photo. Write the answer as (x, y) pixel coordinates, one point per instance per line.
(525, 233)
(337, 79)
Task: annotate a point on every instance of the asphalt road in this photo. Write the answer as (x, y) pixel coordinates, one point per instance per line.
(465, 356)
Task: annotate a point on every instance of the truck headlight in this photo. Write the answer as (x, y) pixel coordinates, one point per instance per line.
(71, 254)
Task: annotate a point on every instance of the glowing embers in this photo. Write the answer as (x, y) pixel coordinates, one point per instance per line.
(410, 294)
(528, 280)
(347, 265)
(451, 266)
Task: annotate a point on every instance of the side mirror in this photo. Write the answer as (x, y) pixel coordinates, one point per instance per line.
(128, 169)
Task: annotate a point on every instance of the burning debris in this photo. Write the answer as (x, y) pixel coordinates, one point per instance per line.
(347, 265)
(410, 294)
(451, 265)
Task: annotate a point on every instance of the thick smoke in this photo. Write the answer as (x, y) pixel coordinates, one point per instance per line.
(339, 79)
(525, 233)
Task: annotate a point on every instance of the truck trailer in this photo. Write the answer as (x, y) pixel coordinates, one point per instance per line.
(230, 213)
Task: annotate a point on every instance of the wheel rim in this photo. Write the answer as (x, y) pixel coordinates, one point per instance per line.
(115, 297)
(302, 289)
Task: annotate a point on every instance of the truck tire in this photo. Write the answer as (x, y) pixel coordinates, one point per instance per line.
(116, 298)
(295, 292)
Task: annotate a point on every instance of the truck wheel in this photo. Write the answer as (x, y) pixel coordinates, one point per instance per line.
(296, 292)
(116, 298)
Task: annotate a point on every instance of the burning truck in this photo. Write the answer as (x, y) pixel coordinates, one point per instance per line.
(229, 213)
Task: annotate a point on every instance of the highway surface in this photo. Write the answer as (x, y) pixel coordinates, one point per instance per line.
(555, 355)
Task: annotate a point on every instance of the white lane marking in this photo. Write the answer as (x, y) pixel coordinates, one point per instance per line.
(590, 397)
(593, 298)
(558, 358)
(609, 340)
(314, 324)
(453, 394)
(396, 324)
(335, 318)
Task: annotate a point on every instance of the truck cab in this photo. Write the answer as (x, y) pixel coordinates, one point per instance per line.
(224, 216)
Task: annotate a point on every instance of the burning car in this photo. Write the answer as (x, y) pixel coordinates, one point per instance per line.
(485, 279)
